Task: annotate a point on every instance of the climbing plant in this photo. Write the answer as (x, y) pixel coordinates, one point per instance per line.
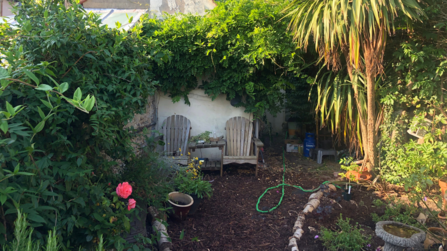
(240, 48)
(71, 154)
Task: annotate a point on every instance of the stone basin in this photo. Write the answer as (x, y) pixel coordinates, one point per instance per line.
(399, 236)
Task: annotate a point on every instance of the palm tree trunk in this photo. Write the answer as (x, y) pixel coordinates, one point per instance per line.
(371, 73)
(371, 94)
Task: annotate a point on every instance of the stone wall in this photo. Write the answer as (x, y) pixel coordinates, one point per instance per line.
(146, 120)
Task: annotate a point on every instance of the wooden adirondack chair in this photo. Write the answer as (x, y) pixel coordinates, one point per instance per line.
(176, 131)
(242, 147)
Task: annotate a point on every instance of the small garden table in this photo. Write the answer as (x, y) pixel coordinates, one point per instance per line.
(210, 165)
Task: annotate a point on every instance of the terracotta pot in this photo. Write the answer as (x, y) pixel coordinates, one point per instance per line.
(442, 216)
(359, 175)
(435, 235)
(181, 204)
(443, 186)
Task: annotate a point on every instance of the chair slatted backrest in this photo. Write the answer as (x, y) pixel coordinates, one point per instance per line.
(176, 129)
(239, 134)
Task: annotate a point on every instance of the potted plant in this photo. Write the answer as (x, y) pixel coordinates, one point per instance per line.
(201, 138)
(353, 171)
(352, 174)
(191, 182)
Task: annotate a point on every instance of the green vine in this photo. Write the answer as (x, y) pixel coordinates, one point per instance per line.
(240, 49)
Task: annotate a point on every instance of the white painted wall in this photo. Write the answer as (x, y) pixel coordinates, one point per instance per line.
(204, 114)
(277, 121)
(184, 6)
(5, 8)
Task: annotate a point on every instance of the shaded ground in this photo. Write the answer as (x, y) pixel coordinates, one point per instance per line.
(229, 220)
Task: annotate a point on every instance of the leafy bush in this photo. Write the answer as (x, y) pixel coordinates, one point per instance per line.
(70, 154)
(396, 211)
(151, 175)
(299, 106)
(348, 238)
(413, 92)
(241, 48)
(186, 183)
(190, 181)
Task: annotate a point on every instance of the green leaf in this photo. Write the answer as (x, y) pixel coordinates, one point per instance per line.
(126, 223)
(4, 126)
(88, 105)
(36, 218)
(64, 87)
(90, 56)
(44, 87)
(41, 114)
(182, 234)
(78, 94)
(98, 217)
(3, 73)
(39, 127)
(17, 168)
(80, 201)
(3, 198)
(10, 109)
(32, 76)
(47, 104)
(79, 161)
(89, 238)
(25, 173)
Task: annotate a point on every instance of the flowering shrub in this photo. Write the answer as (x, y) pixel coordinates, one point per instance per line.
(194, 167)
(191, 181)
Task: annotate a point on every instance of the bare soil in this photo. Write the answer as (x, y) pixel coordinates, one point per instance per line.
(229, 220)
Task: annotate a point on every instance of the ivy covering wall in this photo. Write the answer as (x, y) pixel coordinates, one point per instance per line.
(239, 48)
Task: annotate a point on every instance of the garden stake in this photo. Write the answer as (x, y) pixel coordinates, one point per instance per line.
(283, 185)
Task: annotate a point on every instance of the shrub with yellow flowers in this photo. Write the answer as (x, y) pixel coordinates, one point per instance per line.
(190, 181)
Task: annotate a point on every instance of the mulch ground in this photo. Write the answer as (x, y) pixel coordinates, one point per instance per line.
(229, 220)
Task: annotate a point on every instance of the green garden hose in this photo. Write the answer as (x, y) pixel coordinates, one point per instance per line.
(283, 185)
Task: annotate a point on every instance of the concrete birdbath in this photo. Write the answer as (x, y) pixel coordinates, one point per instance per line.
(399, 236)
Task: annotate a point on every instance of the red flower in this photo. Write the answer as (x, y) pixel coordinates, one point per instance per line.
(132, 204)
(109, 183)
(124, 190)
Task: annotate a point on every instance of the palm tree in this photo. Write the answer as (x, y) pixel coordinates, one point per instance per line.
(352, 33)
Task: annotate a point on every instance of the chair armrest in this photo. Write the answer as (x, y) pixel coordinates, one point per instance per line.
(258, 142)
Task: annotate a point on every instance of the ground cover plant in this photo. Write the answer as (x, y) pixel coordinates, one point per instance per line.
(349, 237)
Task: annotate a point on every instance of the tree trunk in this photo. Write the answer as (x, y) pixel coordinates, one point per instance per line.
(371, 94)
(371, 70)
(362, 117)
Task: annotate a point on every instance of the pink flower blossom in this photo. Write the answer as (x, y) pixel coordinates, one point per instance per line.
(124, 190)
(132, 204)
(316, 236)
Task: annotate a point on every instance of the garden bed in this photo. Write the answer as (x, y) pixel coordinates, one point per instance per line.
(229, 220)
